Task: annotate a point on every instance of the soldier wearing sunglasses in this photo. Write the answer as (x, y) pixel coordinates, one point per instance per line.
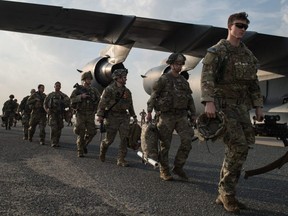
(229, 84)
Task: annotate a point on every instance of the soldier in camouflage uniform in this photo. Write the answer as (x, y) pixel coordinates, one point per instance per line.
(84, 100)
(9, 109)
(115, 101)
(38, 114)
(17, 116)
(55, 104)
(228, 81)
(172, 97)
(25, 111)
(143, 115)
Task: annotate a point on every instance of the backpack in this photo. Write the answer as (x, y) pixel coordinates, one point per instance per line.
(149, 141)
(134, 139)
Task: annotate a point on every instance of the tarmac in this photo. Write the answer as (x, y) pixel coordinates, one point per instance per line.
(40, 180)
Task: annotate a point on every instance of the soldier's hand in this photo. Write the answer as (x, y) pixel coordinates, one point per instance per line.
(210, 109)
(85, 95)
(259, 114)
(149, 117)
(192, 119)
(100, 119)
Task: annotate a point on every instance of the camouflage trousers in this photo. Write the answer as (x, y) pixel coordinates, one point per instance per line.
(168, 122)
(56, 124)
(85, 129)
(8, 119)
(114, 123)
(37, 118)
(237, 138)
(25, 123)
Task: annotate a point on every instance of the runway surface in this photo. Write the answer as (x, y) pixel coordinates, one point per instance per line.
(41, 180)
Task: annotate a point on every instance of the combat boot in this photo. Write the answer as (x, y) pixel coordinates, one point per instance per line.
(241, 205)
(80, 154)
(166, 176)
(229, 202)
(85, 150)
(180, 172)
(122, 162)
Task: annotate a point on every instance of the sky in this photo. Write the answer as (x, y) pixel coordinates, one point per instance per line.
(27, 60)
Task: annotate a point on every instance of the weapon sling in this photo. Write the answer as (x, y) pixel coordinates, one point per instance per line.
(102, 129)
(276, 164)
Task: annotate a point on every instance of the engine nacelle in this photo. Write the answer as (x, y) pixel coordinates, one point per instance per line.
(101, 71)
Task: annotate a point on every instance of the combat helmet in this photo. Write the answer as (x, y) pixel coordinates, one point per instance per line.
(119, 73)
(176, 57)
(211, 128)
(86, 75)
(11, 96)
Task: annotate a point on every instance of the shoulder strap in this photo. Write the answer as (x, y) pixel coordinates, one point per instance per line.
(117, 100)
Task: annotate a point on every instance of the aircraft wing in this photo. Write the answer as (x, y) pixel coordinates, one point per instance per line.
(161, 35)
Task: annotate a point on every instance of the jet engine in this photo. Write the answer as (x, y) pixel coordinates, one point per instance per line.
(101, 70)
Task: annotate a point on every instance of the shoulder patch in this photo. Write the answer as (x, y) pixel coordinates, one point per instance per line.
(209, 58)
(212, 50)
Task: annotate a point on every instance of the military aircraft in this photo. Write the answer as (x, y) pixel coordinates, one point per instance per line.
(122, 33)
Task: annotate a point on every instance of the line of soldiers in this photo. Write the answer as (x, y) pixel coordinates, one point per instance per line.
(9, 111)
(228, 84)
(114, 109)
(33, 111)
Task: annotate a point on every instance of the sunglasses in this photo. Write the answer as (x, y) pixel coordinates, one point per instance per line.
(241, 25)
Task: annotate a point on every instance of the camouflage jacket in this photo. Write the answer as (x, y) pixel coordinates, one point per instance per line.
(35, 101)
(24, 108)
(56, 102)
(10, 106)
(116, 99)
(171, 93)
(230, 72)
(85, 104)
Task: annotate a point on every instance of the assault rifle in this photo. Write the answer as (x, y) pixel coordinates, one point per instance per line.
(270, 128)
(80, 89)
(102, 130)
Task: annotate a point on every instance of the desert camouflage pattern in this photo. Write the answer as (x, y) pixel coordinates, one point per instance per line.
(38, 115)
(134, 136)
(25, 111)
(117, 118)
(168, 122)
(149, 141)
(229, 79)
(56, 102)
(172, 96)
(85, 127)
(9, 109)
(171, 93)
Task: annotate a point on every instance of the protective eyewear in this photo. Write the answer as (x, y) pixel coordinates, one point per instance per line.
(180, 63)
(241, 25)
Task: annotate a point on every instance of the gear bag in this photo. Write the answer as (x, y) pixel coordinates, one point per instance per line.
(134, 141)
(149, 141)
